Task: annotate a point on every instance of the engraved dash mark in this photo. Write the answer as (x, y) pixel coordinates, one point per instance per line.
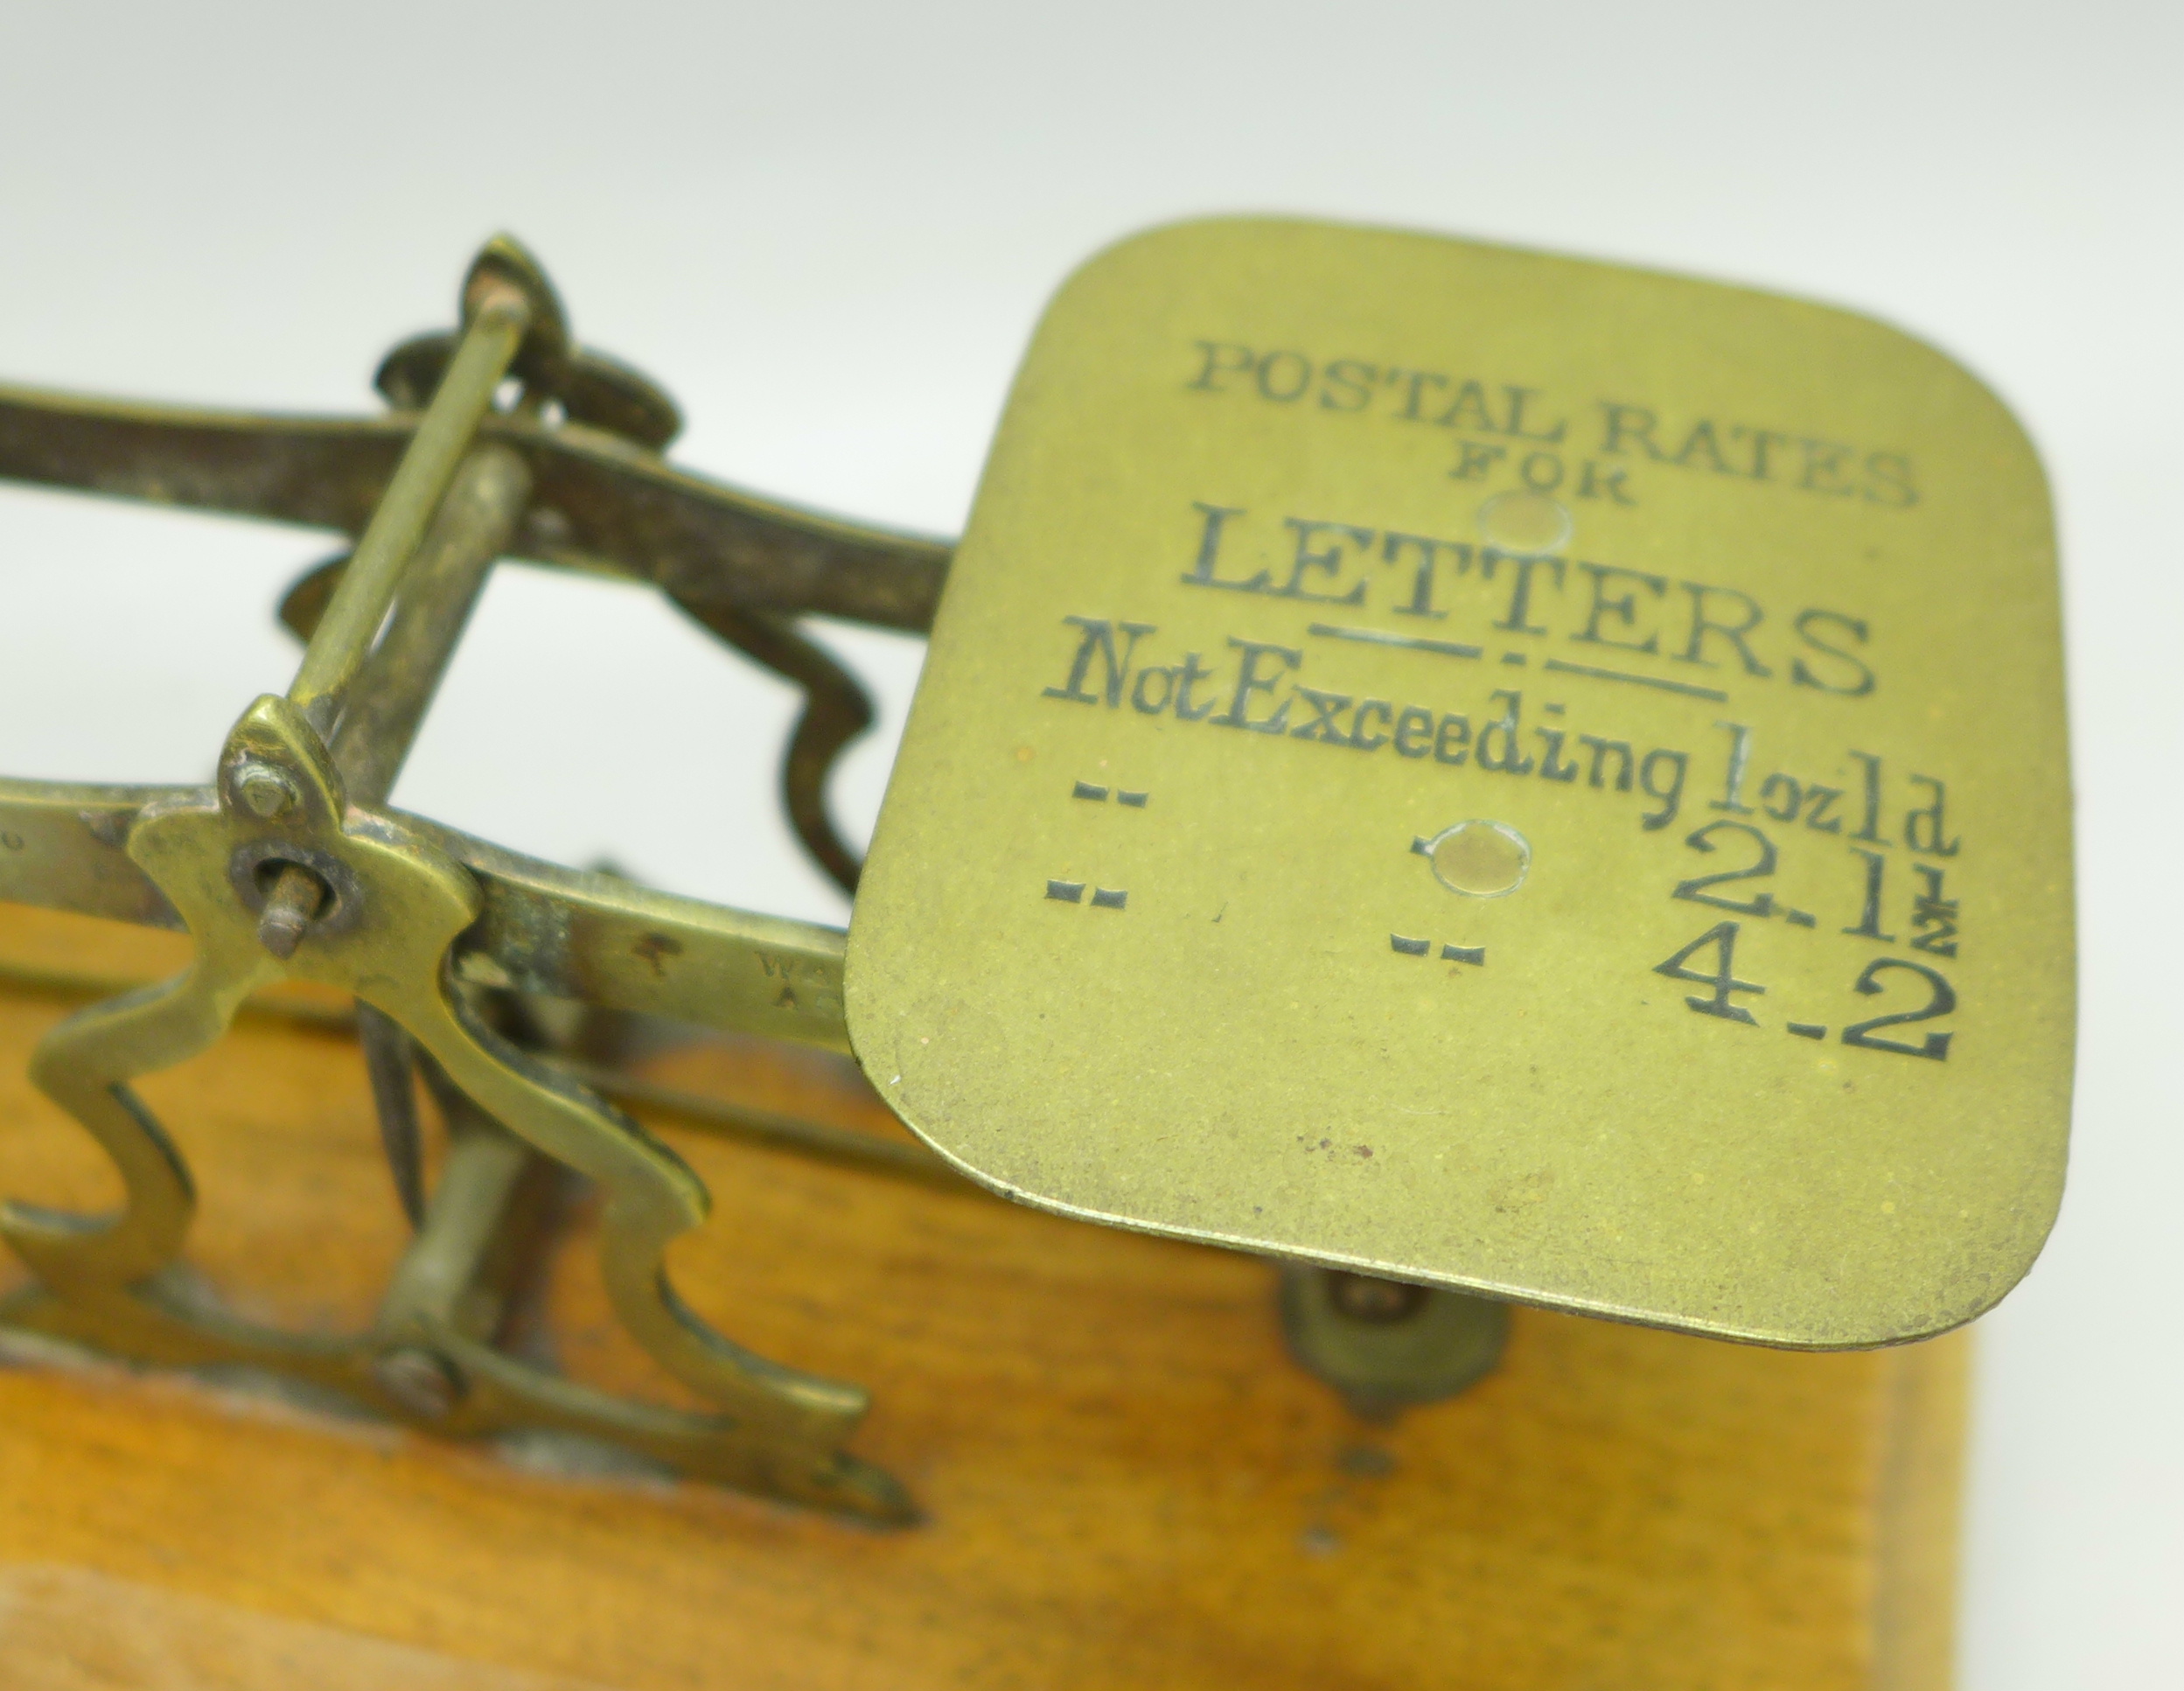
(1685, 687)
(1799, 918)
(1098, 795)
(1449, 954)
(1105, 897)
(1808, 1029)
(1374, 637)
(1072, 892)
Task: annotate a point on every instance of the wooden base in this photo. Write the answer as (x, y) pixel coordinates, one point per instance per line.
(1127, 1481)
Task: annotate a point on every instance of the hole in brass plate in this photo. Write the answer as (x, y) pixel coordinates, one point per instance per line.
(1524, 522)
(1480, 858)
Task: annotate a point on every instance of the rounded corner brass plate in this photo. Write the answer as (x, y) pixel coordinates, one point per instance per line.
(1498, 771)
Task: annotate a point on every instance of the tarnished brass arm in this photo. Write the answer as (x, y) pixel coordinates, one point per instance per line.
(603, 502)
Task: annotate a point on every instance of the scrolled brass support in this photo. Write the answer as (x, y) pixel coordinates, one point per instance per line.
(289, 868)
(836, 710)
(397, 904)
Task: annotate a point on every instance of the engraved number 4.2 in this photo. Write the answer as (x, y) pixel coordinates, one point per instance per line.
(1720, 940)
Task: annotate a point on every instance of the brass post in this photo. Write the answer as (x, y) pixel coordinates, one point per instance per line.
(458, 1275)
(499, 316)
(394, 687)
(385, 708)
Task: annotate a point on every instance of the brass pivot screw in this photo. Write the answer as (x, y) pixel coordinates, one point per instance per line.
(424, 1383)
(290, 908)
(266, 791)
(296, 895)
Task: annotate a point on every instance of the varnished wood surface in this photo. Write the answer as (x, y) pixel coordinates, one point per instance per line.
(1127, 1482)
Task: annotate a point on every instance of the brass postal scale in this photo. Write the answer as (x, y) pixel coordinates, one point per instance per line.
(1484, 780)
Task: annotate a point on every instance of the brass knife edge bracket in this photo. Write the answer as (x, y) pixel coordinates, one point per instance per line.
(291, 866)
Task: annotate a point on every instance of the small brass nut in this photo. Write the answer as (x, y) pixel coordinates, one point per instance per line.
(421, 1380)
(1368, 1298)
(1385, 1344)
(266, 791)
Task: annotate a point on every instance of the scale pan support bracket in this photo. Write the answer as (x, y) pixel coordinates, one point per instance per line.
(1499, 771)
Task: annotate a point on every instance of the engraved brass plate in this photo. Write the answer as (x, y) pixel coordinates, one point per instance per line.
(1497, 771)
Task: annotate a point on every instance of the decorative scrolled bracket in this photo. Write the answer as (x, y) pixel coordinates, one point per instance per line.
(290, 867)
(394, 905)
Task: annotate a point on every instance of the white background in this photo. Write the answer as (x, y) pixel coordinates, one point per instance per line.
(828, 229)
